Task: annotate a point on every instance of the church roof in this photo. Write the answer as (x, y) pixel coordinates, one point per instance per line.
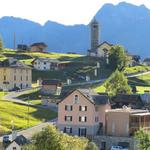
(105, 42)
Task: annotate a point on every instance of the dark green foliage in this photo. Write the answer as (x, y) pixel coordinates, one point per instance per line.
(144, 139)
(118, 58)
(51, 139)
(117, 83)
(91, 146)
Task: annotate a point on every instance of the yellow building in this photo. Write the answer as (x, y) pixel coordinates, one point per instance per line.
(14, 74)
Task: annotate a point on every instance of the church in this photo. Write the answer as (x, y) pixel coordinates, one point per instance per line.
(98, 49)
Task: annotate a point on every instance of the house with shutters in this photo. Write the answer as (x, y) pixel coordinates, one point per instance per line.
(45, 64)
(82, 113)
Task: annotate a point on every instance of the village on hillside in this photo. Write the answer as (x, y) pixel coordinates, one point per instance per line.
(103, 96)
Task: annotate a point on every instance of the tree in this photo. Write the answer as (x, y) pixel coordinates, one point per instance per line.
(118, 58)
(117, 83)
(1, 44)
(144, 139)
(51, 139)
(91, 146)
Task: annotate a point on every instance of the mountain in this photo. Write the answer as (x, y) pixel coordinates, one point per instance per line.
(124, 24)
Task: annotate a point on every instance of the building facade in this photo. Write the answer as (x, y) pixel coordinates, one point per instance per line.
(82, 113)
(38, 47)
(14, 74)
(45, 64)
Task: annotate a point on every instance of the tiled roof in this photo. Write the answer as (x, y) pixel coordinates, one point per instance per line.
(51, 82)
(127, 98)
(14, 64)
(95, 98)
(21, 140)
(40, 43)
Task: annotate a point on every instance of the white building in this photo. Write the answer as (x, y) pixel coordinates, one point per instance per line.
(45, 64)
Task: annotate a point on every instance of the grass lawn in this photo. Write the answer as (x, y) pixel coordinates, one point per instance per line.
(33, 97)
(19, 114)
(136, 69)
(143, 80)
(141, 89)
(52, 55)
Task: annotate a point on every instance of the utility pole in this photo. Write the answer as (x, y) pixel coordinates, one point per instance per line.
(28, 114)
(14, 40)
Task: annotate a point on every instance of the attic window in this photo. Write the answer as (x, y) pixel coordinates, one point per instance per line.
(76, 99)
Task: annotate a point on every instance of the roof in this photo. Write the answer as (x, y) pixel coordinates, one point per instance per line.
(39, 44)
(141, 114)
(147, 60)
(46, 60)
(21, 140)
(129, 110)
(105, 42)
(129, 98)
(14, 64)
(51, 82)
(92, 96)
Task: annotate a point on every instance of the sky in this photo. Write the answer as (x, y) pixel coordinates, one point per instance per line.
(67, 12)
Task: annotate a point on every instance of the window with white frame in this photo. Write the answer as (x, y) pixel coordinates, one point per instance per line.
(68, 118)
(67, 130)
(82, 118)
(82, 108)
(68, 107)
(76, 99)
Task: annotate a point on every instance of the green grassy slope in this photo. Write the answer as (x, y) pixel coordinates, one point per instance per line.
(19, 114)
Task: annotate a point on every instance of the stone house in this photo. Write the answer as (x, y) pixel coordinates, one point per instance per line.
(101, 50)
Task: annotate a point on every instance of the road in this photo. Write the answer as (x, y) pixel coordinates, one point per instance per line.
(102, 80)
(28, 133)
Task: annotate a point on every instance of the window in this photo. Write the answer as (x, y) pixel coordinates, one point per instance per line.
(76, 99)
(14, 148)
(15, 78)
(68, 107)
(4, 77)
(27, 78)
(82, 118)
(67, 130)
(44, 68)
(15, 71)
(96, 119)
(26, 85)
(82, 132)
(82, 108)
(21, 78)
(68, 118)
(44, 63)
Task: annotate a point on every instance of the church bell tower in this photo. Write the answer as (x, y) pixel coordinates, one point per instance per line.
(94, 34)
